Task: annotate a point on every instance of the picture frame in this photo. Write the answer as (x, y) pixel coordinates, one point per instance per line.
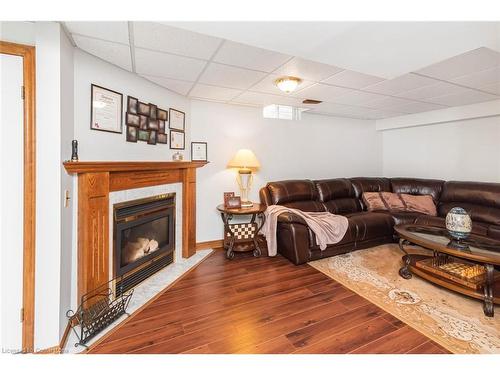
(199, 151)
(177, 120)
(131, 134)
(143, 109)
(227, 195)
(177, 140)
(143, 122)
(106, 109)
(152, 137)
(132, 104)
(234, 202)
(153, 124)
(162, 114)
(162, 138)
(153, 111)
(132, 120)
(161, 126)
(143, 135)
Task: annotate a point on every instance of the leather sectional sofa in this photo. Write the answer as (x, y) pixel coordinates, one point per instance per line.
(343, 196)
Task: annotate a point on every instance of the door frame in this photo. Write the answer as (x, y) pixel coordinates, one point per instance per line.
(29, 203)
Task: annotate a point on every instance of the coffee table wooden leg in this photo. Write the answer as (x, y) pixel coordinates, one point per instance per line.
(488, 292)
(404, 272)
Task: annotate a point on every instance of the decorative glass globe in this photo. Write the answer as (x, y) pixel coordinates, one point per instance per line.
(458, 223)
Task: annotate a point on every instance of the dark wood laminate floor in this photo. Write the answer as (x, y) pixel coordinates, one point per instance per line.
(262, 305)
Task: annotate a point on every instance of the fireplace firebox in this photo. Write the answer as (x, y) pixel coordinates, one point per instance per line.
(144, 238)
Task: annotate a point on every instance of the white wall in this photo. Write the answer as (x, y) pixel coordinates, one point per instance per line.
(99, 145)
(315, 147)
(458, 150)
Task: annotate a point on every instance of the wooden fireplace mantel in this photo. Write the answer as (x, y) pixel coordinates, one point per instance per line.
(96, 179)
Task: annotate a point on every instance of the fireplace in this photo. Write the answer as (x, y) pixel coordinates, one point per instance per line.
(144, 238)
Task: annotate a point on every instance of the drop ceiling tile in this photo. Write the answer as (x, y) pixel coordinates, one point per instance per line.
(180, 87)
(341, 110)
(384, 113)
(387, 102)
(438, 89)
(358, 98)
(322, 92)
(492, 89)
(415, 107)
(479, 79)
(118, 54)
(165, 38)
(251, 97)
(400, 84)
(267, 85)
(166, 65)
(307, 69)
(228, 76)
(249, 57)
(213, 92)
(110, 31)
(473, 61)
(467, 96)
(351, 79)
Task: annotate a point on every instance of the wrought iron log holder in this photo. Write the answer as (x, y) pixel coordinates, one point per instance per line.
(98, 309)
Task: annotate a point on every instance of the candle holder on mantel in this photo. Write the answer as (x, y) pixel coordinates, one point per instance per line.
(177, 156)
(74, 150)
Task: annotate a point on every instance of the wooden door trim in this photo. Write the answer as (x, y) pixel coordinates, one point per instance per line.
(28, 55)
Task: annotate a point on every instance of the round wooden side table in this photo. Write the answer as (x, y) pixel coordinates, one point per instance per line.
(242, 232)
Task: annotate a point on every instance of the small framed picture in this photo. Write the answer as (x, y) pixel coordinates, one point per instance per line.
(152, 137)
(162, 138)
(132, 120)
(153, 109)
(143, 109)
(199, 151)
(176, 140)
(143, 122)
(143, 135)
(234, 202)
(177, 119)
(153, 124)
(131, 134)
(162, 114)
(106, 108)
(132, 105)
(227, 195)
(161, 126)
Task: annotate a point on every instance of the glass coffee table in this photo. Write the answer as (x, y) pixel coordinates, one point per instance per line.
(465, 266)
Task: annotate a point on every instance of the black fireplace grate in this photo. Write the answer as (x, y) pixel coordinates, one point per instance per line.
(129, 281)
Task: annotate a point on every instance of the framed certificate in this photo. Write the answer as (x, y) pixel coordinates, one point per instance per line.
(105, 109)
(176, 140)
(177, 120)
(199, 151)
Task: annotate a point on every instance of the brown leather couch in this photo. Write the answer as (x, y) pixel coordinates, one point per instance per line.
(342, 196)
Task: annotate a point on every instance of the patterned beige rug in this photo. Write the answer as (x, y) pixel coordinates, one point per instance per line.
(454, 321)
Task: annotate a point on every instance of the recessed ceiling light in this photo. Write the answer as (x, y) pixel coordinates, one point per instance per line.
(288, 84)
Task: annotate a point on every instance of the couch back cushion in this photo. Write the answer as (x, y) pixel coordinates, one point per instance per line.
(369, 184)
(338, 196)
(299, 194)
(480, 199)
(418, 186)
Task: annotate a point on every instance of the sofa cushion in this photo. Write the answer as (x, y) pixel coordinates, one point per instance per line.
(369, 184)
(417, 186)
(338, 196)
(367, 225)
(383, 201)
(481, 200)
(299, 194)
(401, 218)
(419, 203)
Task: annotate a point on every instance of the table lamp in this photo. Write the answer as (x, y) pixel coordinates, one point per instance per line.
(245, 161)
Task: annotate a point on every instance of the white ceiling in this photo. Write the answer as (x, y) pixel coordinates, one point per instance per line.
(427, 72)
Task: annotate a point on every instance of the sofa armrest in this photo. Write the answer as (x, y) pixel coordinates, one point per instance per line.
(288, 217)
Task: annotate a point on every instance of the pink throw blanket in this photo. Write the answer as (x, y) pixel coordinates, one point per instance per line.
(328, 228)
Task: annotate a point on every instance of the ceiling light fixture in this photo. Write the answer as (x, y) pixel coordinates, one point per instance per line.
(288, 84)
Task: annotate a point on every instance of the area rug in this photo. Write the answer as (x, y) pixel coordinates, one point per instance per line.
(452, 320)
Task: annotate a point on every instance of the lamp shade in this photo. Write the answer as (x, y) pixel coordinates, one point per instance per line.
(244, 159)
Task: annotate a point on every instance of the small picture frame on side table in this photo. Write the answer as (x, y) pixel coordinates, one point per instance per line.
(177, 120)
(234, 202)
(131, 134)
(227, 195)
(198, 151)
(177, 140)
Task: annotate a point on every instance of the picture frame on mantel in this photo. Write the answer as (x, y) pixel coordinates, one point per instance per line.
(199, 151)
(177, 120)
(106, 109)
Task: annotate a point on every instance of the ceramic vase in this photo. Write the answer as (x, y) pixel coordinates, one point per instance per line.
(458, 223)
